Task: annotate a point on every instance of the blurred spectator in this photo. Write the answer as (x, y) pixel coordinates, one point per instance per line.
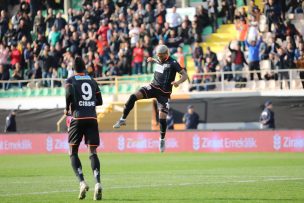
(212, 56)
(47, 62)
(173, 41)
(10, 122)
(160, 13)
(212, 8)
(134, 34)
(191, 118)
(290, 57)
(39, 23)
(209, 74)
(272, 74)
(242, 27)
(54, 36)
(180, 58)
(138, 54)
(273, 46)
(281, 66)
(267, 120)
(37, 72)
(197, 56)
(59, 22)
(62, 71)
(15, 55)
(4, 54)
(4, 75)
(253, 57)
(238, 60)
(185, 33)
(16, 75)
(55, 75)
(230, 6)
(50, 18)
(272, 10)
(227, 67)
(112, 70)
(174, 19)
(28, 56)
(4, 21)
(196, 82)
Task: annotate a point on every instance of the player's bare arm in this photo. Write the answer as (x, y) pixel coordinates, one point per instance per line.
(151, 59)
(184, 77)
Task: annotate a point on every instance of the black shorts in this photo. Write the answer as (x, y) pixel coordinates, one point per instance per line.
(87, 128)
(161, 97)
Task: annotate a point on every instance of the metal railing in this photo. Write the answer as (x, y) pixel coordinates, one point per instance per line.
(219, 81)
(231, 80)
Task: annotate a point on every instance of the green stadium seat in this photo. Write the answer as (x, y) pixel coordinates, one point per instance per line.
(55, 92)
(187, 49)
(142, 78)
(240, 3)
(20, 92)
(207, 30)
(112, 89)
(104, 89)
(61, 91)
(29, 92)
(46, 92)
(38, 92)
(220, 21)
(122, 88)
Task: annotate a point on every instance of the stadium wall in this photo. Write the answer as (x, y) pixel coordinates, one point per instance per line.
(289, 110)
(143, 142)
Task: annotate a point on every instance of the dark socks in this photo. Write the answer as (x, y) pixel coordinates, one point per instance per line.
(163, 128)
(129, 106)
(95, 165)
(76, 165)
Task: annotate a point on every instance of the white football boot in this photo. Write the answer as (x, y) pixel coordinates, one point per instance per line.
(83, 189)
(98, 192)
(162, 145)
(119, 123)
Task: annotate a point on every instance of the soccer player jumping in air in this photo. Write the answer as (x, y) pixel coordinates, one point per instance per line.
(82, 96)
(160, 88)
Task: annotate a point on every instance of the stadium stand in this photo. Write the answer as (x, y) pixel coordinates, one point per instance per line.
(106, 36)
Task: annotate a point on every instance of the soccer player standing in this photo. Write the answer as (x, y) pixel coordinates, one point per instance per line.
(82, 96)
(160, 88)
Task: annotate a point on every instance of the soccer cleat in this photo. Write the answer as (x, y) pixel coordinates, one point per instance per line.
(83, 189)
(162, 145)
(98, 192)
(119, 123)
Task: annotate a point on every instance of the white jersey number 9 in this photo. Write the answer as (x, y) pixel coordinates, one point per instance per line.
(87, 91)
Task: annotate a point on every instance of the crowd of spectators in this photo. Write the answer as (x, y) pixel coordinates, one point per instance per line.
(265, 36)
(116, 37)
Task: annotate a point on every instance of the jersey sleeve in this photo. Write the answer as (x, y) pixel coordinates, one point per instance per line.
(99, 101)
(177, 67)
(68, 93)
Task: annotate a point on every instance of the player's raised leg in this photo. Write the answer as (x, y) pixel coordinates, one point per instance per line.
(77, 167)
(95, 165)
(128, 107)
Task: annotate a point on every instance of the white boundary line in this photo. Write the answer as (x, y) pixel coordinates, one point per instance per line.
(155, 185)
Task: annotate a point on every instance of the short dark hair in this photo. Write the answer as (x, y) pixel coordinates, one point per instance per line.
(79, 65)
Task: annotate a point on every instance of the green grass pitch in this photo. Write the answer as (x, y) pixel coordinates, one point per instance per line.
(168, 177)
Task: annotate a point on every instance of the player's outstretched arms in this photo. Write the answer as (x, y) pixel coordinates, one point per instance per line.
(182, 79)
